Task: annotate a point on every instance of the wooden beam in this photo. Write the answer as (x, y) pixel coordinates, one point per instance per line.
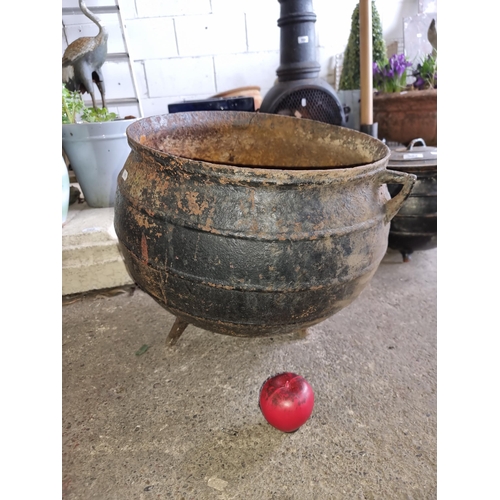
(366, 61)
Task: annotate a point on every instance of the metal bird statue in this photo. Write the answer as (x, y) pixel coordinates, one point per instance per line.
(433, 37)
(82, 60)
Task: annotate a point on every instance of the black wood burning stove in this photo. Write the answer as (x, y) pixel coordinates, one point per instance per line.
(299, 92)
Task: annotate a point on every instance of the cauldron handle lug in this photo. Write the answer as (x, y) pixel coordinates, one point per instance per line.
(175, 332)
(393, 177)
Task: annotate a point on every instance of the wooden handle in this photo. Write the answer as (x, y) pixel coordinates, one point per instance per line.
(366, 61)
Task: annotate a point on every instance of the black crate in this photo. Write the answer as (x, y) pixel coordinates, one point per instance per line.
(214, 104)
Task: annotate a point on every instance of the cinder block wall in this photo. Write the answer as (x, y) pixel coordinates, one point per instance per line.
(193, 49)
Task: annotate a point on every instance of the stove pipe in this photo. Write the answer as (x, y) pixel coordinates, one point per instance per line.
(299, 92)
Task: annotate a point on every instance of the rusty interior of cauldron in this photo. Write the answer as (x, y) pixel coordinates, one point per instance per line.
(260, 140)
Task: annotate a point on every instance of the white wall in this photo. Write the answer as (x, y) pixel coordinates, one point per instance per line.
(193, 49)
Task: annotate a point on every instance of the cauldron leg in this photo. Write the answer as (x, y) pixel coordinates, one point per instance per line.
(175, 332)
(301, 334)
(406, 255)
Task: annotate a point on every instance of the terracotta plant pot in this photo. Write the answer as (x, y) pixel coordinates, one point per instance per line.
(405, 116)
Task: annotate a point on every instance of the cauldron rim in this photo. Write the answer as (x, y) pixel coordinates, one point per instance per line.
(280, 174)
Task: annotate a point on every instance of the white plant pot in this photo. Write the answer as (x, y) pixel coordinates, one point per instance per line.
(65, 191)
(97, 153)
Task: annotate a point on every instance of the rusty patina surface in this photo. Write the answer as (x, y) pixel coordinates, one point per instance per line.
(252, 224)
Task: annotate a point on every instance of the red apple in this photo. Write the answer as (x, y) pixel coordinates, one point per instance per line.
(286, 401)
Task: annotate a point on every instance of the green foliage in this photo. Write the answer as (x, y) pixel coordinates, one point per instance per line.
(97, 115)
(350, 77)
(426, 73)
(73, 105)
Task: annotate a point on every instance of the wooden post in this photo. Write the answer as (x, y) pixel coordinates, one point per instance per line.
(366, 67)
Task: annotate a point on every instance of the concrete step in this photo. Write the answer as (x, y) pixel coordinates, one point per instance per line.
(91, 259)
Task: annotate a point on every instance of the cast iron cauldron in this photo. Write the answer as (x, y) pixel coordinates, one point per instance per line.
(253, 224)
(415, 225)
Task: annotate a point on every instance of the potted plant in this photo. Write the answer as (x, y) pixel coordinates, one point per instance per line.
(406, 111)
(349, 84)
(96, 144)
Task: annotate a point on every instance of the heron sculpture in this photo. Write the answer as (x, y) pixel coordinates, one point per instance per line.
(82, 60)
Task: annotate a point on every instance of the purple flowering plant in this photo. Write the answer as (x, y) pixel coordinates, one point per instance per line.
(426, 73)
(391, 77)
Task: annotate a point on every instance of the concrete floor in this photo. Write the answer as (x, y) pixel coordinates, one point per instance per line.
(184, 423)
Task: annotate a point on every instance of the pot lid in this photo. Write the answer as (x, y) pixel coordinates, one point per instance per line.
(413, 156)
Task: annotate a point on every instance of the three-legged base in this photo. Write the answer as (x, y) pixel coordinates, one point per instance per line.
(180, 325)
